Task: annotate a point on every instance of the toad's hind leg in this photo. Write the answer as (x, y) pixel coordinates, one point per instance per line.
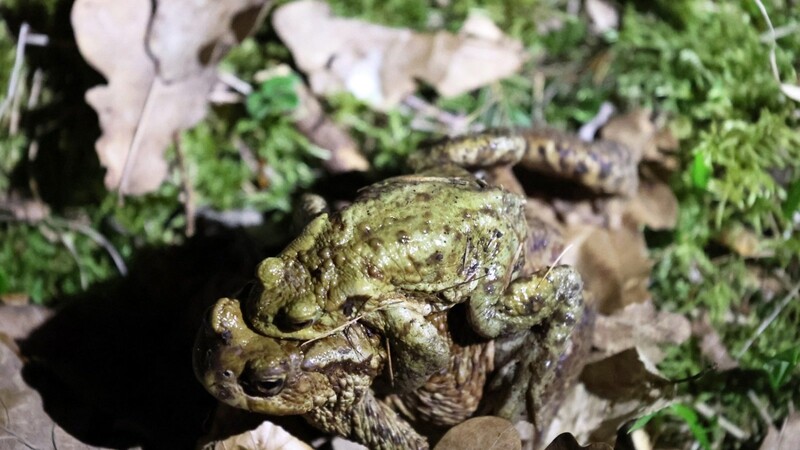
(528, 301)
(603, 166)
(536, 368)
(368, 421)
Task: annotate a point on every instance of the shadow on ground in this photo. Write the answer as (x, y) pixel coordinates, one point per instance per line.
(114, 365)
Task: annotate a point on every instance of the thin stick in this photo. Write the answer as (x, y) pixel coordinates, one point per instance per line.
(773, 43)
(550, 268)
(789, 90)
(389, 361)
(70, 246)
(136, 140)
(762, 410)
(18, 58)
(100, 240)
(768, 321)
(348, 323)
(724, 423)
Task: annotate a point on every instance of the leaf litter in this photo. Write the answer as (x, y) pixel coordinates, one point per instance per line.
(158, 85)
(380, 65)
(160, 69)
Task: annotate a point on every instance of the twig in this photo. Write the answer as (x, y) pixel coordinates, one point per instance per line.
(18, 58)
(762, 410)
(24, 39)
(724, 423)
(349, 322)
(389, 361)
(133, 148)
(186, 185)
(235, 83)
(588, 131)
(36, 88)
(335, 330)
(70, 246)
(99, 239)
(455, 124)
(768, 321)
(789, 90)
(549, 269)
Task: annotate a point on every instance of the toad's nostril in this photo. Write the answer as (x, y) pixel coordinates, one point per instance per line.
(258, 386)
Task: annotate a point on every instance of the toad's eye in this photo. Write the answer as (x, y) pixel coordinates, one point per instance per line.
(257, 386)
(250, 292)
(297, 315)
(287, 322)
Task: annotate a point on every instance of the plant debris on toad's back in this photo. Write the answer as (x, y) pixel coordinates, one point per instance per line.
(416, 245)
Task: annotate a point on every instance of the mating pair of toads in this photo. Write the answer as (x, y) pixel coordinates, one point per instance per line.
(408, 305)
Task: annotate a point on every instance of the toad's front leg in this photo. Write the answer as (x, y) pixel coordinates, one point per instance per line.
(417, 348)
(552, 301)
(527, 301)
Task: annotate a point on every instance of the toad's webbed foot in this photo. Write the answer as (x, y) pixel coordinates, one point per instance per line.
(603, 166)
(528, 301)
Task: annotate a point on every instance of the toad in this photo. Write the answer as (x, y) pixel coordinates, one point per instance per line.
(415, 245)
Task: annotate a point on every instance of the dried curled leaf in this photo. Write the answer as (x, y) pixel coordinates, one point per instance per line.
(380, 64)
(640, 325)
(267, 436)
(566, 441)
(785, 439)
(481, 433)
(613, 263)
(654, 205)
(611, 392)
(23, 420)
(160, 66)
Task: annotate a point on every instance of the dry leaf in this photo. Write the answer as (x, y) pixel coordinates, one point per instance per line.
(612, 392)
(566, 441)
(638, 132)
(17, 321)
(24, 209)
(640, 325)
(711, 345)
(744, 242)
(654, 205)
(23, 420)
(785, 439)
(481, 433)
(267, 436)
(380, 64)
(311, 120)
(160, 67)
(613, 263)
(604, 16)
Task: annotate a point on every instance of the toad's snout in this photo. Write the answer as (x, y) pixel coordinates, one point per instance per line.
(247, 370)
